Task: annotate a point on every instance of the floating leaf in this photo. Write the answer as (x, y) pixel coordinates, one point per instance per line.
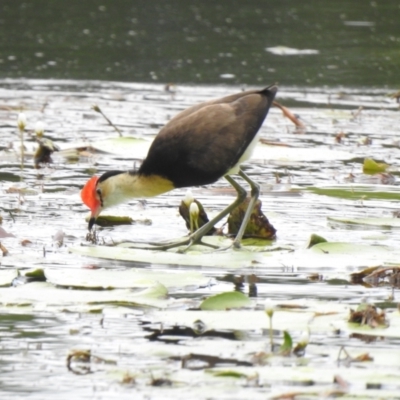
(258, 225)
(348, 248)
(358, 192)
(225, 301)
(315, 239)
(123, 146)
(297, 154)
(229, 374)
(231, 259)
(372, 167)
(368, 315)
(7, 276)
(36, 274)
(128, 278)
(44, 294)
(287, 345)
(383, 222)
(111, 220)
(357, 277)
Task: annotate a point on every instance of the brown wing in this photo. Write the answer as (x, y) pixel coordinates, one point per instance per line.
(202, 143)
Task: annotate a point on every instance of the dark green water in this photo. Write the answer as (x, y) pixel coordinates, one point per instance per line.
(358, 42)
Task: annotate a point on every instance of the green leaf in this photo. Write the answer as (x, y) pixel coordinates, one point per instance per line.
(379, 222)
(287, 345)
(358, 192)
(372, 167)
(38, 274)
(118, 279)
(225, 301)
(229, 374)
(348, 248)
(296, 154)
(233, 259)
(43, 295)
(315, 239)
(7, 276)
(134, 147)
(111, 220)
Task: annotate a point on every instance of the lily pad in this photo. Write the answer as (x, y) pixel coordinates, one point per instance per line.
(340, 255)
(7, 276)
(134, 147)
(129, 278)
(315, 239)
(236, 320)
(232, 259)
(44, 294)
(377, 222)
(225, 301)
(348, 248)
(296, 154)
(111, 220)
(358, 192)
(371, 167)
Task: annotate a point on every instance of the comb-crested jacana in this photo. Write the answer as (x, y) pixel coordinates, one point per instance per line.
(197, 147)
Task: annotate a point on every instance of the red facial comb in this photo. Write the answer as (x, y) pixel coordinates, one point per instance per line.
(88, 193)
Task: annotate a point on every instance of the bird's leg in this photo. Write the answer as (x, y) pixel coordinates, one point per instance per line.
(255, 191)
(195, 238)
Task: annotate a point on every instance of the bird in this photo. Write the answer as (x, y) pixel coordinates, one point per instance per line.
(197, 147)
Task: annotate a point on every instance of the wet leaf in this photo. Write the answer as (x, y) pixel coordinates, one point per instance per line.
(128, 278)
(258, 225)
(358, 192)
(123, 146)
(229, 374)
(37, 274)
(111, 220)
(225, 301)
(357, 277)
(298, 154)
(242, 320)
(7, 276)
(198, 218)
(372, 167)
(193, 258)
(383, 222)
(287, 345)
(43, 295)
(388, 276)
(368, 315)
(335, 248)
(315, 239)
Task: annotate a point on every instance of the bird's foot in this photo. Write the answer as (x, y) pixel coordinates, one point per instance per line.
(235, 245)
(187, 242)
(200, 242)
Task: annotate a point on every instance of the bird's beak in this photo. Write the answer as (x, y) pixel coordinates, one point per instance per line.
(93, 217)
(92, 221)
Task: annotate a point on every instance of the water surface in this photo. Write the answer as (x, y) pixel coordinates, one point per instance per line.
(206, 42)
